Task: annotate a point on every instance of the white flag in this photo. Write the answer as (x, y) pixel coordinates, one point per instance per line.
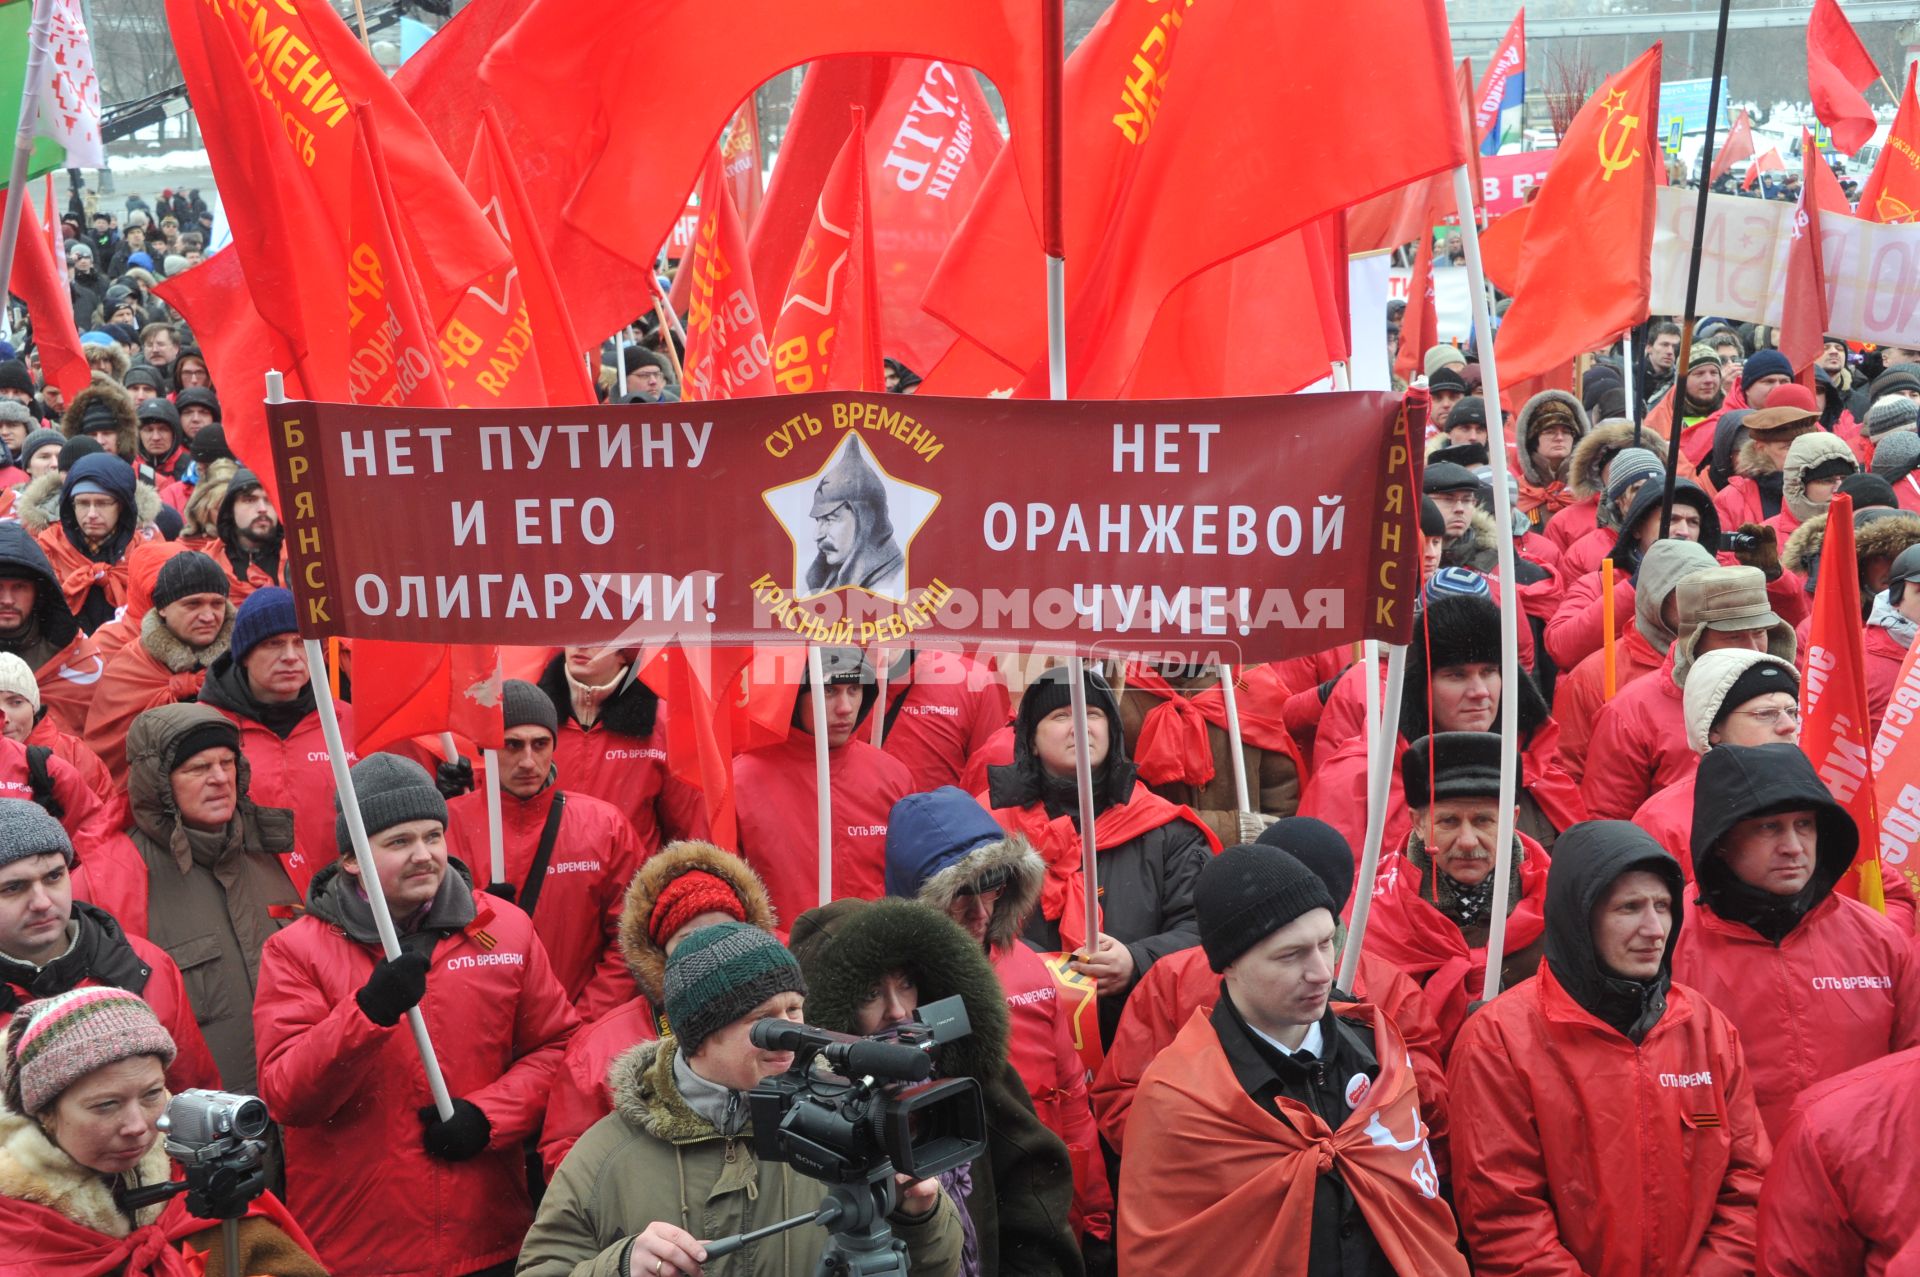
(70, 91)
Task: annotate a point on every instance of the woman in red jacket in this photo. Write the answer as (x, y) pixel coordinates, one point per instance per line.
(383, 1182)
(1613, 1129)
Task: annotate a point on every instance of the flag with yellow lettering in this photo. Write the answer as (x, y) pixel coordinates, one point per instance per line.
(1584, 269)
(390, 345)
(727, 354)
(274, 87)
(827, 336)
(1892, 192)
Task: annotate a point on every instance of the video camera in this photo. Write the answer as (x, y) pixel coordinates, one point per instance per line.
(219, 1139)
(850, 1107)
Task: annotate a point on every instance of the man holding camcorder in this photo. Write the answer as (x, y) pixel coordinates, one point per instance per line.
(674, 1167)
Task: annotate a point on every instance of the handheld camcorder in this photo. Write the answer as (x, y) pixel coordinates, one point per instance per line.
(851, 1106)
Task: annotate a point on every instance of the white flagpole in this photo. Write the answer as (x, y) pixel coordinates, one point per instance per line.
(1240, 792)
(1509, 605)
(362, 849)
(448, 748)
(496, 839)
(1083, 777)
(880, 671)
(1380, 762)
(23, 142)
(1627, 371)
(822, 781)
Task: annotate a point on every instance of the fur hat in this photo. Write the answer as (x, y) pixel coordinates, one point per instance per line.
(1450, 765)
(1458, 629)
(645, 957)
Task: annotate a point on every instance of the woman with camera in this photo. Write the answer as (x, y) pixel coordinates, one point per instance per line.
(673, 1166)
(85, 1086)
(870, 965)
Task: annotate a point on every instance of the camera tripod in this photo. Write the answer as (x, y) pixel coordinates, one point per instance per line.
(217, 1188)
(859, 1242)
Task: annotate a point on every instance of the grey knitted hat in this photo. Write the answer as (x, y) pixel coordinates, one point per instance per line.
(391, 790)
(1630, 466)
(524, 705)
(719, 974)
(1895, 455)
(1891, 413)
(27, 830)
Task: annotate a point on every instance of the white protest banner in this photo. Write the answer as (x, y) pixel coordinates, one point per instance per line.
(1873, 270)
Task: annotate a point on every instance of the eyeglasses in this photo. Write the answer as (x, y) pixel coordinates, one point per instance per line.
(1772, 717)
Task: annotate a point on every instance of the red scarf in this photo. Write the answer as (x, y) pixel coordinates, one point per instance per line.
(1222, 1166)
(40, 1240)
(1063, 896)
(1174, 747)
(1408, 932)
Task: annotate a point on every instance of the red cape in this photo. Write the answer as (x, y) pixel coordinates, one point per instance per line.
(42, 1241)
(1205, 1163)
(1173, 746)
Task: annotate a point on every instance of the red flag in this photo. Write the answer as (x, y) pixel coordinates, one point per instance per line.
(1420, 323)
(571, 86)
(1892, 192)
(725, 701)
(930, 143)
(37, 281)
(815, 133)
(442, 83)
(511, 342)
(1896, 775)
(740, 150)
(1833, 700)
(1805, 306)
(1839, 69)
(1737, 146)
(273, 88)
(727, 354)
(401, 690)
(1215, 334)
(1177, 174)
(1768, 162)
(1509, 62)
(390, 344)
(241, 348)
(1584, 272)
(827, 336)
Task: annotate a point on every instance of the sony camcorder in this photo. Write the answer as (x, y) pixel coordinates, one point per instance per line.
(851, 1106)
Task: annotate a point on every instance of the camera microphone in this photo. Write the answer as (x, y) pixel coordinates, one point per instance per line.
(848, 1056)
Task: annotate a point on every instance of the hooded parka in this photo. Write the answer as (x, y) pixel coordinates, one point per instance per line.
(1613, 1131)
(1816, 983)
(64, 661)
(1018, 1195)
(213, 898)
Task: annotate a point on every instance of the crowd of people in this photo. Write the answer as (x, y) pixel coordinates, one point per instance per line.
(1690, 1023)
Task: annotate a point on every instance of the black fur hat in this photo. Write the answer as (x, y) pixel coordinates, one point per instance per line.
(1458, 629)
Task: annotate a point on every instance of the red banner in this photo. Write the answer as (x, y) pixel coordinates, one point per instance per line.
(1833, 701)
(1896, 774)
(1226, 526)
(727, 354)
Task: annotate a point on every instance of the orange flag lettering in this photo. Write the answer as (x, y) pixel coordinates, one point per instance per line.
(727, 355)
(1892, 192)
(827, 336)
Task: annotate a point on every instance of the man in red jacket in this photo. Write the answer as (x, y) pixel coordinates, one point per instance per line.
(188, 629)
(1640, 740)
(384, 1184)
(1891, 629)
(1839, 1195)
(1816, 983)
(51, 943)
(944, 850)
(37, 626)
(942, 705)
(779, 815)
(1547, 1185)
(262, 683)
(568, 856)
(1433, 901)
(613, 743)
